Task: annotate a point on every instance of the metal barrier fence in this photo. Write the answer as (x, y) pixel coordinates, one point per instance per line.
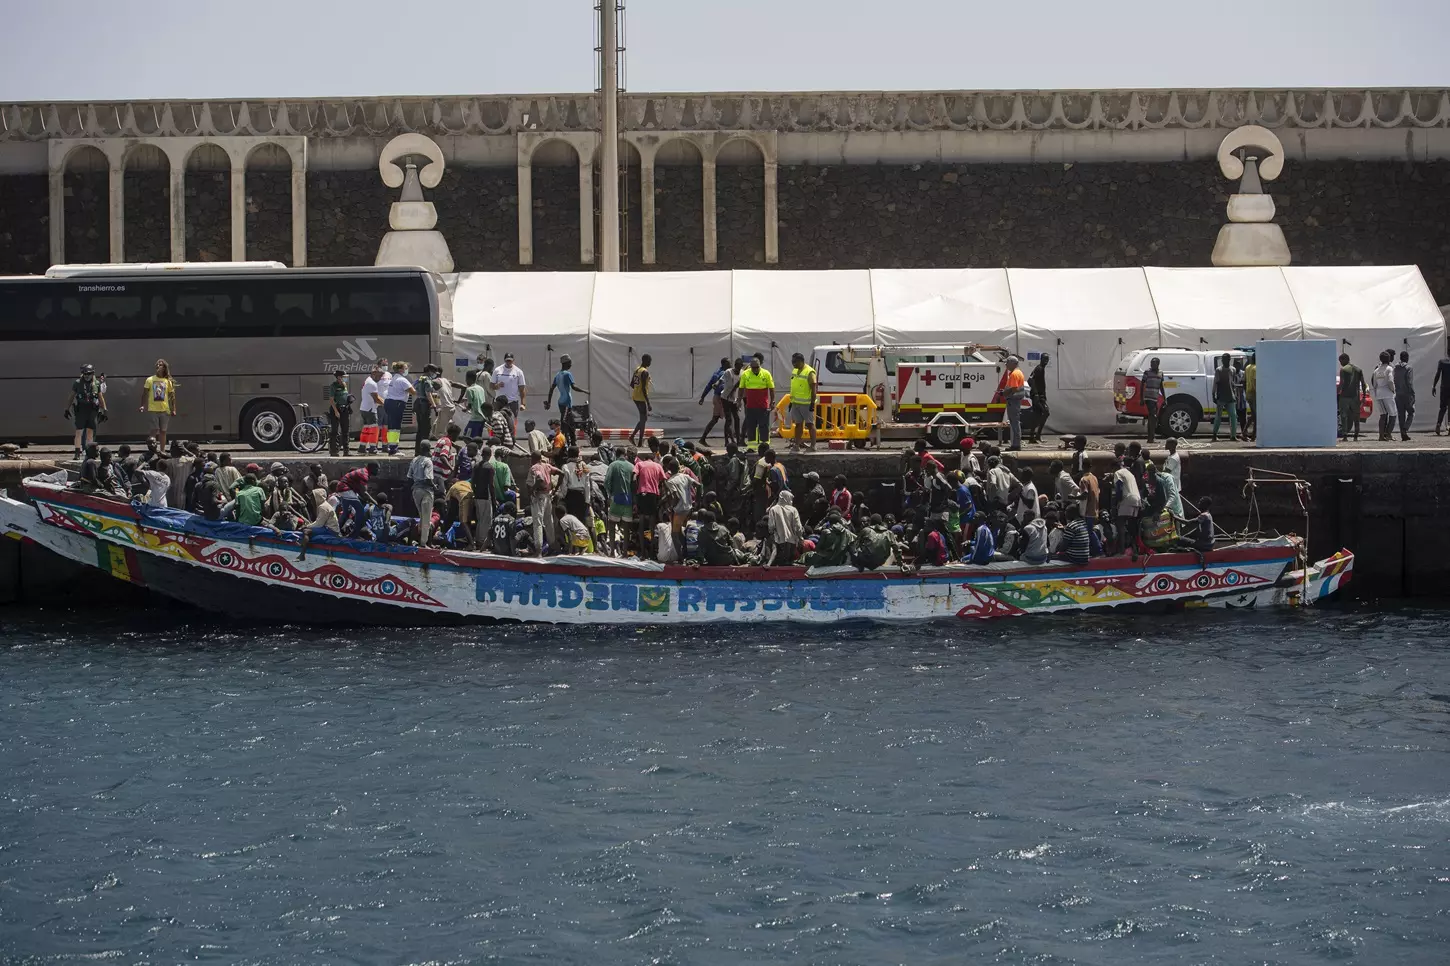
(839, 415)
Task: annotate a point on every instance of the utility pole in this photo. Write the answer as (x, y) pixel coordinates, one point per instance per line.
(609, 136)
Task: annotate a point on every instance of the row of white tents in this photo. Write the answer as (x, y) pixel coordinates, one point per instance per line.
(1087, 319)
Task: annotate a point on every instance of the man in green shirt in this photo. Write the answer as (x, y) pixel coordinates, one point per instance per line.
(619, 495)
(339, 408)
(247, 504)
(475, 400)
(1351, 388)
(503, 478)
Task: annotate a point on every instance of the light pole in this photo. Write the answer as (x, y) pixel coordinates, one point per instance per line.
(609, 136)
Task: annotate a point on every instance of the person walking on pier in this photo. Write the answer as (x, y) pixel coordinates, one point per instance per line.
(640, 385)
(1442, 375)
(1224, 398)
(1037, 392)
(339, 408)
(1405, 394)
(803, 396)
(758, 386)
(1351, 388)
(564, 385)
(722, 382)
(1014, 388)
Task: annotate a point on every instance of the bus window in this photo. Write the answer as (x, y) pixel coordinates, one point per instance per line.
(116, 308)
(390, 301)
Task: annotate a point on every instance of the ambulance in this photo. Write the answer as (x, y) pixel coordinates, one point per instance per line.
(942, 389)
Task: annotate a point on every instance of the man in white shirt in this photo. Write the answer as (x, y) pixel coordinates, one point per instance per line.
(372, 401)
(1172, 463)
(508, 380)
(158, 483)
(1130, 505)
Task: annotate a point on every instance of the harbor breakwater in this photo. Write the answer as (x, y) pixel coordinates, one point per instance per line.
(1392, 508)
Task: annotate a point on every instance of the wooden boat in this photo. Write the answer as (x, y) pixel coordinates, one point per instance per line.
(251, 573)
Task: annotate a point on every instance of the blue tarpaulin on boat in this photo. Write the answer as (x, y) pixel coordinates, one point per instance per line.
(192, 523)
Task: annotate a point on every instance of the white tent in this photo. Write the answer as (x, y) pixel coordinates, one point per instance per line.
(1087, 319)
(1368, 309)
(1220, 308)
(780, 313)
(538, 316)
(680, 319)
(943, 306)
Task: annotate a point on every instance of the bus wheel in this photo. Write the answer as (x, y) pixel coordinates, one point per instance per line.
(266, 424)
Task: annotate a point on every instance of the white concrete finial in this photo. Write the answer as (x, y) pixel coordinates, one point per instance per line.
(413, 240)
(1251, 154)
(1270, 152)
(410, 145)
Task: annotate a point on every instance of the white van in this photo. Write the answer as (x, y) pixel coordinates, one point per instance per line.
(1187, 387)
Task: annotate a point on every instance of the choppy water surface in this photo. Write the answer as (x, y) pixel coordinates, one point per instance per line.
(1190, 790)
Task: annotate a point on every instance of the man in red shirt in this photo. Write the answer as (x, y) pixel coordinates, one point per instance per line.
(352, 496)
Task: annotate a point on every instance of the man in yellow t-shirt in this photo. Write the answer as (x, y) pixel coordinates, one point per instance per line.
(802, 399)
(758, 387)
(639, 389)
(160, 401)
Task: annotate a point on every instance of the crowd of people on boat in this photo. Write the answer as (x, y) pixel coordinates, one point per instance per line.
(678, 501)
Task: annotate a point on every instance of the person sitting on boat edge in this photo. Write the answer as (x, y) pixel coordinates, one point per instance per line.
(1203, 536)
(246, 506)
(874, 546)
(353, 496)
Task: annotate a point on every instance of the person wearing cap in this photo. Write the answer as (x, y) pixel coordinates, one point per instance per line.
(564, 385)
(87, 404)
(395, 404)
(1014, 389)
(339, 409)
(372, 402)
(509, 382)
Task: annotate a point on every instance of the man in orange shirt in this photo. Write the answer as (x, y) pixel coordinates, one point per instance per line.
(1013, 392)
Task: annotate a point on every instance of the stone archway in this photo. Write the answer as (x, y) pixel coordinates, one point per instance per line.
(206, 178)
(679, 214)
(556, 205)
(87, 209)
(146, 193)
(740, 203)
(268, 210)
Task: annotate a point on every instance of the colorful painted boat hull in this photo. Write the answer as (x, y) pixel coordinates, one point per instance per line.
(250, 572)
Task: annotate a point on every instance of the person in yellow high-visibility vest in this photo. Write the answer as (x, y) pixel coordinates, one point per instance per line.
(758, 387)
(802, 399)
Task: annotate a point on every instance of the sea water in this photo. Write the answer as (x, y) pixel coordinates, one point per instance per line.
(1199, 789)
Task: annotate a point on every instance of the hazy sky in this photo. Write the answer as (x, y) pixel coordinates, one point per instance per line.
(104, 49)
